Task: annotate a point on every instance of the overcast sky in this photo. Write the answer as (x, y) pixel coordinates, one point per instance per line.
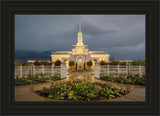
(123, 36)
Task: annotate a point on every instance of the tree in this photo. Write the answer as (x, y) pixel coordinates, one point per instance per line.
(103, 63)
(24, 64)
(134, 62)
(50, 64)
(137, 62)
(122, 63)
(84, 66)
(143, 63)
(16, 63)
(37, 63)
(45, 63)
(71, 63)
(29, 63)
(90, 63)
(114, 63)
(57, 63)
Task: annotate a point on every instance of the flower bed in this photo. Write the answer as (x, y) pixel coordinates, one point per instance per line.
(32, 80)
(125, 80)
(81, 90)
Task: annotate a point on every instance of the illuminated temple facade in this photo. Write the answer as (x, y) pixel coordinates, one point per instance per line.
(80, 54)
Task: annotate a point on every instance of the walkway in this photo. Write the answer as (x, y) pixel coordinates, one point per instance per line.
(26, 92)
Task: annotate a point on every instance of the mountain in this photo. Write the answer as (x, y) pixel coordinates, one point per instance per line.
(24, 55)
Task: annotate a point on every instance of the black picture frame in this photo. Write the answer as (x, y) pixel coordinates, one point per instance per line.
(148, 7)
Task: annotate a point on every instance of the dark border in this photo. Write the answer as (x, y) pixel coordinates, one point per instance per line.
(150, 8)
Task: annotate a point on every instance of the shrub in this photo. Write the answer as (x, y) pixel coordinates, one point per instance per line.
(54, 78)
(122, 63)
(103, 62)
(71, 63)
(143, 63)
(37, 63)
(45, 63)
(24, 64)
(35, 80)
(138, 62)
(114, 63)
(22, 81)
(57, 63)
(90, 63)
(16, 63)
(126, 80)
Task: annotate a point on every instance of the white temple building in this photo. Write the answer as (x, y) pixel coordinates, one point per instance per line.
(80, 53)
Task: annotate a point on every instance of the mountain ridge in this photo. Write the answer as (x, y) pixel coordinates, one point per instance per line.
(24, 55)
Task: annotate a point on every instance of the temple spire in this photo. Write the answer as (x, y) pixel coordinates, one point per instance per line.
(80, 41)
(79, 26)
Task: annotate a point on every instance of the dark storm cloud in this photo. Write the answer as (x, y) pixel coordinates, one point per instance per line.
(97, 30)
(123, 36)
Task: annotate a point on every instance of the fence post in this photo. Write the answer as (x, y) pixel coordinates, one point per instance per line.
(129, 69)
(140, 70)
(33, 70)
(118, 69)
(43, 69)
(126, 70)
(21, 71)
(96, 71)
(63, 71)
(52, 70)
(108, 69)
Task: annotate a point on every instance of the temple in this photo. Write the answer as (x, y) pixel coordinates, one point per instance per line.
(80, 54)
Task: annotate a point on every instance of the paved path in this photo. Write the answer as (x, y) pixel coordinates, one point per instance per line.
(26, 92)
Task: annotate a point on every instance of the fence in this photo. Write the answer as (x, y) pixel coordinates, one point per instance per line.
(107, 70)
(123, 70)
(26, 71)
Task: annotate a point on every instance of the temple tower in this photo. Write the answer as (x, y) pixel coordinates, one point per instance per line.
(80, 40)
